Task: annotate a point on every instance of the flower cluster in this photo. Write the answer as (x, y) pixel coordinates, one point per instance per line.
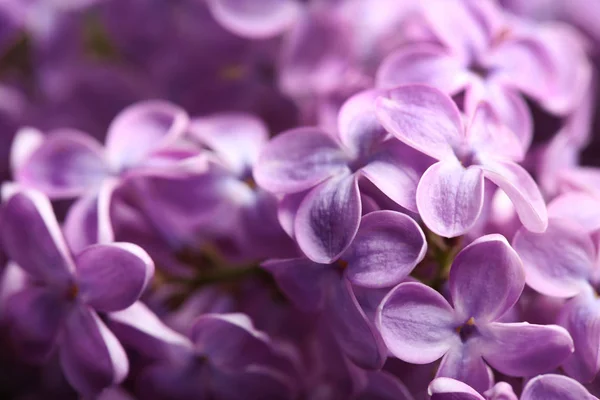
(299, 200)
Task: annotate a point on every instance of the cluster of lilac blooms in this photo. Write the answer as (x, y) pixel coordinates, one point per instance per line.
(299, 199)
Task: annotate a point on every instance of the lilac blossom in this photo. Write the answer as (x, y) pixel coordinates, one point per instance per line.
(542, 387)
(418, 324)
(59, 305)
(331, 166)
(450, 194)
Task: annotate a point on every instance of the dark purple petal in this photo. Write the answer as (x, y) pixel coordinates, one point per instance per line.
(184, 380)
(66, 164)
(450, 197)
(486, 279)
(255, 19)
(382, 385)
(555, 387)
(423, 118)
(464, 363)
(298, 160)
(451, 389)
(32, 238)
(417, 323)
(141, 129)
(522, 190)
(557, 262)
(356, 335)
(91, 356)
(255, 382)
(111, 277)
(387, 247)
(522, 349)
(581, 317)
(328, 219)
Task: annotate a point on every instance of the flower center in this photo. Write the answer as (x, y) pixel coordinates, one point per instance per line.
(72, 292)
(467, 330)
(341, 264)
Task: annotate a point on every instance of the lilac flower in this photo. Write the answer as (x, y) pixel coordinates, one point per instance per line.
(227, 359)
(59, 306)
(542, 387)
(386, 248)
(495, 59)
(486, 279)
(330, 166)
(450, 192)
(562, 262)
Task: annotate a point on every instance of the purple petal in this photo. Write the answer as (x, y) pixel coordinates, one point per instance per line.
(451, 389)
(522, 349)
(66, 164)
(230, 341)
(299, 159)
(501, 391)
(141, 129)
(425, 64)
(328, 219)
(522, 191)
(255, 19)
(387, 247)
(34, 316)
(450, 197)
(28, 224)
(356, 335)
(581, 317)
(25, 142)
(557, 262)
(464, 363)
(91, 356)
(301, 280)
(423, 118)
(555, 387)
(396, 169)
(138, 327)
(255, 382)
(287, 210)
(163, 381)
(416, 323)
(586, 214)
(358, 127)
(486, 279)
(382, 385)
(111, 277)
(237, 138)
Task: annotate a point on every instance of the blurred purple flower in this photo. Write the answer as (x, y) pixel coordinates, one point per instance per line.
(60, 304)
(486, 279)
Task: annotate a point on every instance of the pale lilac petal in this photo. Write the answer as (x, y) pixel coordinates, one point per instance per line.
(91, 356)
(416, 323)
(301, 280)
(138, 327)
(34, 316)
(521, 189)
(501, 391)
(356, 335)
(66, 164)
(423, 63)
(586, 214)
(581, 317)
(255, 19)
(387, 247)
(487, 134)
(423, 118)
(298, 160)
(111, 277)
(396, 170)
(25, 142)
(555, 387)
(141, 129)
(452, 389)
(464, 363)
(382, 385)
(522, 349)
(328, 219)
(450, 197)
(287, 210)
(358, 127)
(28, 223)
(557, 262)
(237, 138)
(486, 279)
